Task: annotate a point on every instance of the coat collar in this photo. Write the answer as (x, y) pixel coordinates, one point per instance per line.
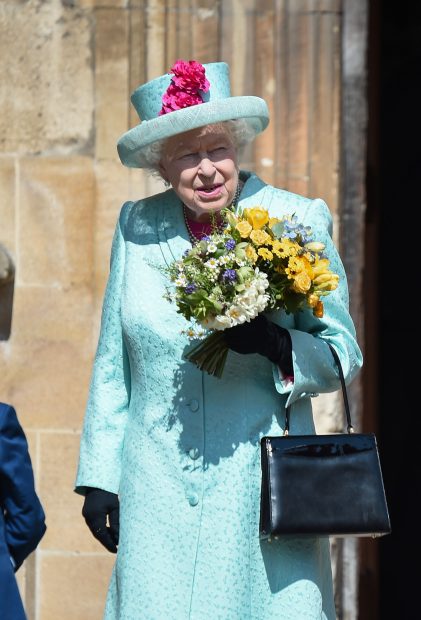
(172, 232)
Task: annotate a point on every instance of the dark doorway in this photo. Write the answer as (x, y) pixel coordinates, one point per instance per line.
(391, 573)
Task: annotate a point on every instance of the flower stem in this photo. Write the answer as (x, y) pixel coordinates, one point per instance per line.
(210, 354)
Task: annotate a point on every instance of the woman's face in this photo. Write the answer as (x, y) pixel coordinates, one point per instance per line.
(201, 166)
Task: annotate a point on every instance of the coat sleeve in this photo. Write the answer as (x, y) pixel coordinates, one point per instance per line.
(23, 514)
(314, 367)
(109, 393)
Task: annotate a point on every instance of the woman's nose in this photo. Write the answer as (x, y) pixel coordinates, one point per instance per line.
(206, 166)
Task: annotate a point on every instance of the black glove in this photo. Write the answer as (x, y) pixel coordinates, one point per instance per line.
(264, 337)
(97, 506)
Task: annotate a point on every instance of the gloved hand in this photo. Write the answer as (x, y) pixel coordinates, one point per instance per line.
(97, 506)
(264, 337)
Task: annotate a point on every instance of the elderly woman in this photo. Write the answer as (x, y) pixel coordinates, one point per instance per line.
(169, 457)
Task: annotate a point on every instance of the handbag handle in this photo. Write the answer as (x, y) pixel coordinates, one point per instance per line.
(349, 427)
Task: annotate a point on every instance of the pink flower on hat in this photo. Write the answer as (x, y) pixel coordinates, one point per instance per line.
(189, 76)
(187, 82)
(175, 99)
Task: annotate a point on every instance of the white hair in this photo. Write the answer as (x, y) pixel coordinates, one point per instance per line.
(240, 132)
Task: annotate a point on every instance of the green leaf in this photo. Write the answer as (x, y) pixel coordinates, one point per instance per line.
(244, 274)
(278, 229)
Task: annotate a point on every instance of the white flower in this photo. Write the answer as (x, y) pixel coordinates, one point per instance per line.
(224, 260)
(181, 280)
(237, 314)
(212, 247)
(194, 332)
(212, 263)
(221, 322)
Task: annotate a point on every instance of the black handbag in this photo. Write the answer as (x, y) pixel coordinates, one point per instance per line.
(322, 485)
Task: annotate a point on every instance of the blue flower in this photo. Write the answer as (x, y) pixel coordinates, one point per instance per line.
(304, 232)
(229, 275)
(230, 244)
(291, 228)
(289, 234)
(190, 288)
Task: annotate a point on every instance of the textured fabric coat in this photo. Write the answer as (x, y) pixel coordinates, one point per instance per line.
(22, 519)
(181, 448)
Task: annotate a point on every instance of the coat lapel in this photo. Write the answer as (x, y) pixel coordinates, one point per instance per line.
(172, 233)
(254, 192)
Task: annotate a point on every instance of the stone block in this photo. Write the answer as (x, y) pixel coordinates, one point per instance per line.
(73, 586)
(111, 80)
(21, 581)
(115, 184)
(137, 52)
(47, 65)
(32, 439)
(66, 528)
(328, 413)
(57, 197)
(47, 364)
(7, 203)
(103, 4)
(112, 190)
(26, 578)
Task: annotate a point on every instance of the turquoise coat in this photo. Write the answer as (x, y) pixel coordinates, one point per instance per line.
(181, 448)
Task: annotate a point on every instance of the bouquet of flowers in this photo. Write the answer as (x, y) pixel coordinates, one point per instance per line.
(257, 263)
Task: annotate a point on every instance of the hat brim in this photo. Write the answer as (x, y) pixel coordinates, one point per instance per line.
(130, 146)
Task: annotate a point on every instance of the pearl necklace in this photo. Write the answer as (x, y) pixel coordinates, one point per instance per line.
(220, 226)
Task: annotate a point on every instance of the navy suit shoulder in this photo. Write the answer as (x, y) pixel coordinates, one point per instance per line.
(22, 518)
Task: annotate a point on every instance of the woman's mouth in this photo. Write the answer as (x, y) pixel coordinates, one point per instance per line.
(213, 191)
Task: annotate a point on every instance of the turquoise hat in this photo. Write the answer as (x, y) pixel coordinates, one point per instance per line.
(210, 102)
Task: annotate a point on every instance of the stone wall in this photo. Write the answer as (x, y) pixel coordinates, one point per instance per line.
(67, 69)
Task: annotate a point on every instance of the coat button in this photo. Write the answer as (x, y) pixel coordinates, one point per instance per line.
(193, 404)
(193, 499)
(194, 453)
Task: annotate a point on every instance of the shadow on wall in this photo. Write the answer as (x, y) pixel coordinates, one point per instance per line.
(7, 285)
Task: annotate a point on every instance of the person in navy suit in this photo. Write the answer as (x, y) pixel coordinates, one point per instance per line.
(22, 518)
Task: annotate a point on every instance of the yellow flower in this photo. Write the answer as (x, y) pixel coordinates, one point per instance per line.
(318, 309)
(287, 248)
(309, 257)
(265, 253)
(320, 266)
(326, 282)
(323, 277)
(298, 264)
(251, 253)
(257, 217)
(302, 282)
(259, 237)
(315, 246)
(312, 300)
(308, 266)
(276, 245)
(244, 228)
